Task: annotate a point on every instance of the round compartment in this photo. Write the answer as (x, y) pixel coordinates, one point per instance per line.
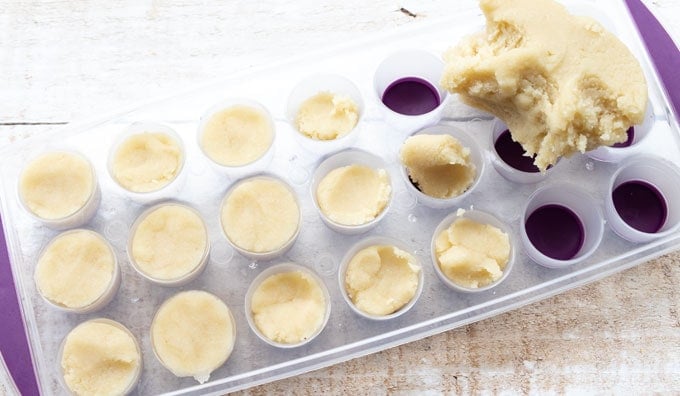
(379, 241)
(225, 114)
(147, 162)
(60, 189)
(475, 157)
(631, 147)
(410, 79)
(350, 157)
(169, 244)
(78, 272)
(478, 218)
(260, 209)
(193, 334)
(642, 199)
(324, 88)
(285, 312)
(98, 344)
(567, 223)
(508, 158)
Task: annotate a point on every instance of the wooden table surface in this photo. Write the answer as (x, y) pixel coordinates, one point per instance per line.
(62, 61)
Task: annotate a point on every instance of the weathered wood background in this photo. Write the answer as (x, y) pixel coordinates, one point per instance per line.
(62, 61)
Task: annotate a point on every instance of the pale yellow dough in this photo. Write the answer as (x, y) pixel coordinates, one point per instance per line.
(147, 162)
(472, 254)
(193, 334)
(381, 279)
(288, 307)
(76, 269)
(57, 185)
(237, 135)
(260, 215)
(561, 83)
(170, 242)
(100, 358)
(438, 164)
(353, 194)
(326, 116)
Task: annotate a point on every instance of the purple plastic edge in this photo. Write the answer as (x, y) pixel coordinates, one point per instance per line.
(14, 345)
(13, 342)
(662, 50)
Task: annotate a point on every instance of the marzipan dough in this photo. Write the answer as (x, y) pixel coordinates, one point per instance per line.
(472, 254)
(57, 185)
(100, 358)
(288, 307)
(169, 242)
(76, 269)
(353, 194)
(561, 83)
(438, 165)
(147, 162)
(260, 215)
(381, 279)
(327, 116)
(237, 135)
(193, 334)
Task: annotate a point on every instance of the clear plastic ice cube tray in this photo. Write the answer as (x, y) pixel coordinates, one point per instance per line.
(228, 274)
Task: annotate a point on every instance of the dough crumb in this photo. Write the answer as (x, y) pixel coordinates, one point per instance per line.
(193, 334)
(288, 307)
(354, 194)
(472, 254)
(76, 269)
(100, 358)
(438, 165)
(169, 242)
(147, 162)
(327, 116)
(260, 215)
(381, 279)
(237, 135)
(57, 184)
(562, 83)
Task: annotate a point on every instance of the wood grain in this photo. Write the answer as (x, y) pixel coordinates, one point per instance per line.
(62, 61)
